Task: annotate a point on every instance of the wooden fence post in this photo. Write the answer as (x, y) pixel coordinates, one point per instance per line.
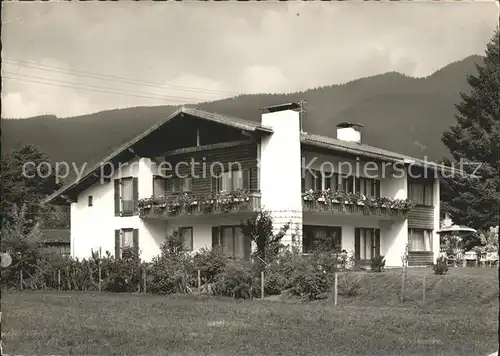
(402, 284)
(423, 290)
(199, 281)
(21, 278)
(1, 346)
(335, 289)
(144, 278)
(58, 279)
(262, 285)
(99, 276)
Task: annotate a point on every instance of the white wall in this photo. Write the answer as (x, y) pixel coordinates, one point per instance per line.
(394, 183)
(393, 245)
(280, 170)
(93, 227)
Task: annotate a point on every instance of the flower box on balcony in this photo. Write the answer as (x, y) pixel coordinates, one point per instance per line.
(187, 204)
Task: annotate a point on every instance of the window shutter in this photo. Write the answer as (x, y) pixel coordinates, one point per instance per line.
(357, 244)
(117, 244)
(334, 182)
(117, 197)
(136, 240)
(357, 185)
(376, 188)
(215, 236)
(213, 184)
(377, 242)
(246, 179)
(135, 193)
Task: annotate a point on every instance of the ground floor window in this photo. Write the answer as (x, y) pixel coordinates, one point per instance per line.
(419, 240)
(187, 238)
(126, 238)
(321, 237)
(232, 241)
(366, 243)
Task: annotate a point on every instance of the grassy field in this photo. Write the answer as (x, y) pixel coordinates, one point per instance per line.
(462, 320)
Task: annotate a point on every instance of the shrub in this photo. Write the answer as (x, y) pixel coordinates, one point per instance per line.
(167, 276)
(210, 262)
(237, 280)
(259, 229)
(441, 265)
(121, 274)
(378, 264)
(278, 274)
(172, 271)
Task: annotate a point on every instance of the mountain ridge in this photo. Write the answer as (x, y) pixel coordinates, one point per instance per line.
(399, 113)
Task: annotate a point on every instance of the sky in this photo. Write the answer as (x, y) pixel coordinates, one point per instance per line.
(74, 58)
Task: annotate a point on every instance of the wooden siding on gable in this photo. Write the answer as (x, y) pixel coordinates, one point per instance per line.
(245, 154)
(421, 217)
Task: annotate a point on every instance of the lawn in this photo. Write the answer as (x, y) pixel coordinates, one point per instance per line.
(116, 324)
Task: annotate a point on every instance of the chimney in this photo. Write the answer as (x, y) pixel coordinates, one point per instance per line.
(280, 167)
(350, 132)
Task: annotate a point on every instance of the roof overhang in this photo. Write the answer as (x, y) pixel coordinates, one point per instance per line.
(125, 153)
(362, 150)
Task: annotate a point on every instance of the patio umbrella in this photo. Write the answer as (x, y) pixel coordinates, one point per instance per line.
(456, 229)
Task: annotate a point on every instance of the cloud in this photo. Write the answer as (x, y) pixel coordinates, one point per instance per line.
(230, 47)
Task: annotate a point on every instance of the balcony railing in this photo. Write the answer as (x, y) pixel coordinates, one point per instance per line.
(189, 204)
(354, 204)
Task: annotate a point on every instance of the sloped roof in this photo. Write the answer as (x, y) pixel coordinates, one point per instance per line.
(325, 142)
(246, 125)
(365, 150)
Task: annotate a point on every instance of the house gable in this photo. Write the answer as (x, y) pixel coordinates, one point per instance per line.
(184, 128)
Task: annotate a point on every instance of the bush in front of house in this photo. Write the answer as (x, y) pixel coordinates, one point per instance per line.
(237, 280)
(171, 271)
(441, 265)
(121, 274)
(210, 263)
(377, 264)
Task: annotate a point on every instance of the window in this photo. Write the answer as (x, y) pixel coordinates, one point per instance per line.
(232, 241)
(311, 180)
(159, 186)
(126, 238)
(126, 196)
(331, 181)
(366, 243)
(187, 238)
(419, 240)
(90, 200)
(347, 184)
(182, 185)
(367, 186)
(321, 237)
(231, 181)
(421, 193)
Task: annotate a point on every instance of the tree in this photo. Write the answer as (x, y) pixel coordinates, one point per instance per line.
(475, 140)
(22, 240)
(259, 228)
(26, 186)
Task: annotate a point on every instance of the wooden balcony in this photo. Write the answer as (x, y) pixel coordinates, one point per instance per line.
(330, 208)
(189, 205)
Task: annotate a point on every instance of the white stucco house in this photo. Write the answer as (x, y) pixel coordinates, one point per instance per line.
(203, 173)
